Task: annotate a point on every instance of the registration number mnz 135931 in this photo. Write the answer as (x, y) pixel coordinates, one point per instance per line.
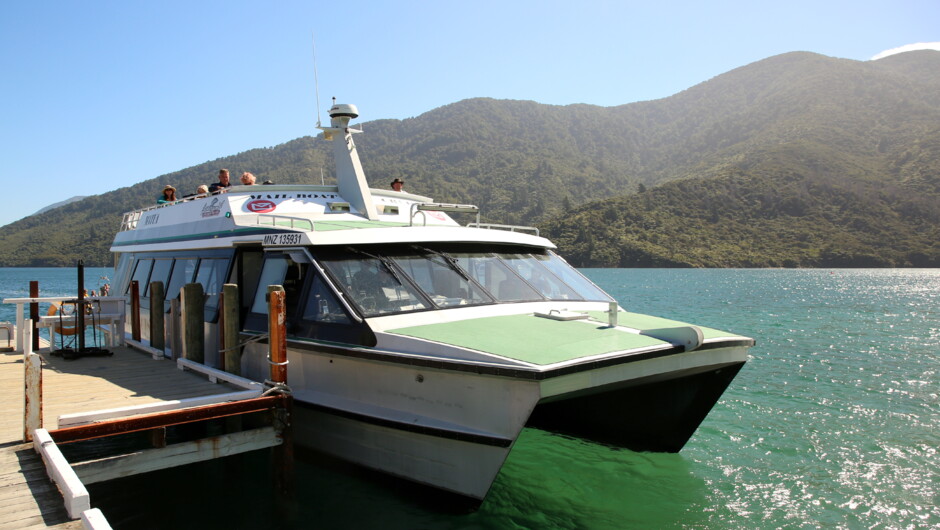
(282, 239)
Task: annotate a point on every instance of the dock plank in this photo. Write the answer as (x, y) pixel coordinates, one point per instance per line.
(28, 499)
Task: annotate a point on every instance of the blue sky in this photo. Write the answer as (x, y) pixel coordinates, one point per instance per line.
(99, 95)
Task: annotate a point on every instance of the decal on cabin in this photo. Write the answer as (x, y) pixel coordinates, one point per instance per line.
(260, 206)
(212, 208)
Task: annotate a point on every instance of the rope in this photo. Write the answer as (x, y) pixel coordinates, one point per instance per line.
(256, 338)
(275, 388)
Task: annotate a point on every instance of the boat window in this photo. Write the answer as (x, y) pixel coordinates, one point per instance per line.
(549, 285)
(125, 262)
(183, 273)
(160, 273)
(322, 306)
(374, 285)
(279, 269)
(141, 275)
(494, 275)
(441, 281)
(575, 279)
(211, 275)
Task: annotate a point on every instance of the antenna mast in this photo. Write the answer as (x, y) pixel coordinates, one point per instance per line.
(316, 80)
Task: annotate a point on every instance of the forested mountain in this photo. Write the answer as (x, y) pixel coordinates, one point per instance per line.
(796, 160)
(60, 203)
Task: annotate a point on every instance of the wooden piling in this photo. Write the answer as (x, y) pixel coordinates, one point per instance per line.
(157, 324)
(34, 312)
(193, 322)
(135, 310)
(277, 330)
(230, 328)
(277, 333)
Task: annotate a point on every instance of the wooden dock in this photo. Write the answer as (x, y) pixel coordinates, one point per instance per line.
(28, 499)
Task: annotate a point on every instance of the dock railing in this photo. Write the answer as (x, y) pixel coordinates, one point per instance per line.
(105, 311)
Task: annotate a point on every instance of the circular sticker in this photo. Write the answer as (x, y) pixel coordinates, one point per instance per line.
(261, 206)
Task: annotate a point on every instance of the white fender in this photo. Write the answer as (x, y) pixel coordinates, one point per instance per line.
(690, 337)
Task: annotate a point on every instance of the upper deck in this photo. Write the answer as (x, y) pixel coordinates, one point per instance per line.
(297, 214)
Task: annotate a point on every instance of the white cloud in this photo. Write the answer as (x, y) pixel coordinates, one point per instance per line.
(908, 48)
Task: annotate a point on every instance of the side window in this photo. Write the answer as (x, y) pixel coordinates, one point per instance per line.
(161, 271)
(141, 275)
(122, 270)
(322, 306)
(271, 274)
(211, 275)
(183, 273)
(324, 317)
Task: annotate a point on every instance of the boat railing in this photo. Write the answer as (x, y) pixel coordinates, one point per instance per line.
(421, 207)
(285, 221)
(130, 220)
(511, 228)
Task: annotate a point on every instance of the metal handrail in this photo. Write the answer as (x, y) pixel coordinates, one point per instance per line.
(292, 222)
(421, 207)
(511, 228)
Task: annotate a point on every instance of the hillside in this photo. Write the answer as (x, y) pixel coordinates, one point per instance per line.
(865, 133)
(765, 215)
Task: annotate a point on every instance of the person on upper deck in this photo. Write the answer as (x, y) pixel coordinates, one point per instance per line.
(248, 179)
(224, 182)
(397, 185)
(168, 196)
(201, 191)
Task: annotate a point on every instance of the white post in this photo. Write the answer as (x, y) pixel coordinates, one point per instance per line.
(19, 327)
(27, 335)
(32, 397)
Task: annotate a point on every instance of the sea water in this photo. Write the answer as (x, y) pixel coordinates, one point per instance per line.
(834, 421)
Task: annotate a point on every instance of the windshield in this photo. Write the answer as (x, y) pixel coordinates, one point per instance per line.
(400, 280)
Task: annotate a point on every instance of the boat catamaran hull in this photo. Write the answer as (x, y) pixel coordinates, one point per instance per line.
(420, 347)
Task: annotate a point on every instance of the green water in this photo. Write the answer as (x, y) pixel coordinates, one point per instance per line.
(834, 421)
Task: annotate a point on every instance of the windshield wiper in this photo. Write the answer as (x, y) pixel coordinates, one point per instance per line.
(385, 263)
(450, 261)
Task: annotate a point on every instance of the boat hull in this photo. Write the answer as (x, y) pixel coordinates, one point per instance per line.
(453, 429)
(655, 413)
(466, 468)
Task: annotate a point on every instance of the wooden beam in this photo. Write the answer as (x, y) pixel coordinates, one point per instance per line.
(175, 455)
(73, 491)
(215, 374)
(82, 418)
(163, 419)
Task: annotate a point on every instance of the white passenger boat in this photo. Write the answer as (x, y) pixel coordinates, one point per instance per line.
(421, 347)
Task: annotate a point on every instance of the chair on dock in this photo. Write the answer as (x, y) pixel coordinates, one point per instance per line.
(10, 333)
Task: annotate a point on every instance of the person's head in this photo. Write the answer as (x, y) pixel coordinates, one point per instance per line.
(169, 193)
(397, 184)
(202, 189)
(224, 176)
(248, 179)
